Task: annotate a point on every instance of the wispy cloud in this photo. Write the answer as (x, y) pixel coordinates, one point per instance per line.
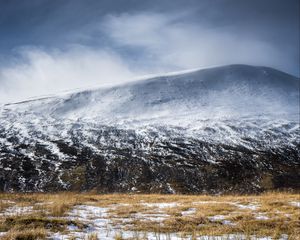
(42, 72)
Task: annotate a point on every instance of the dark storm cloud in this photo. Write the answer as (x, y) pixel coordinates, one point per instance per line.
(42, 41)
(50, 21)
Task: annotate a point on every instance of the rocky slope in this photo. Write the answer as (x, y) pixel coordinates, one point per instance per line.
(226, 129)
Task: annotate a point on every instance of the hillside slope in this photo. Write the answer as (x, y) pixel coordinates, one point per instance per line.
(231, 128)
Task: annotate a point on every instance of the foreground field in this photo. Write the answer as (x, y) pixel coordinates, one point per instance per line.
(120, 216)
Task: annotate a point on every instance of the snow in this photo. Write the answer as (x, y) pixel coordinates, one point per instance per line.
(7, 201)
(251, 206)
(217, 217)
(102, 224)
(83, 212)
(95, 216)
(295, 203)
(155, 217)
(161, 205)
(170, 189)
(261, 216)
(190, 95)
(17, 210)
(188, 212)
(222, 219)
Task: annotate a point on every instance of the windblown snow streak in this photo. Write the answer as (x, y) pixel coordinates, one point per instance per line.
(231, 128)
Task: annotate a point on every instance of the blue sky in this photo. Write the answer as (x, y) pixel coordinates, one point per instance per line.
(53, 45)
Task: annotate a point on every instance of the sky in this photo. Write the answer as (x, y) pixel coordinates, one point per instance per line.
(49, 46)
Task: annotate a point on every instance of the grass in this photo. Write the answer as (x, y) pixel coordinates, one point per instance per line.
(50, 209)
(92, 236)
(24, 222)
(26, 234)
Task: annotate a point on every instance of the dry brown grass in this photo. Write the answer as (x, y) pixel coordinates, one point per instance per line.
(26, 234)
(4, 205)
(283, 218)
(53, 204)
(92, 236)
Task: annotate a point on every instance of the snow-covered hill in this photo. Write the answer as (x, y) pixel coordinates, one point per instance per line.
(209, 93)
(231, 128)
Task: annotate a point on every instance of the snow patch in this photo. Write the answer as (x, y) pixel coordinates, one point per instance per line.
(17, 210)
(295, 204)
(188, 212)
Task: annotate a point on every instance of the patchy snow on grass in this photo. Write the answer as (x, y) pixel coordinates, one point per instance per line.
(261, 216)
(109, 227)
(161, 205)
(239, 237)
(210, 202)
(43, 203)
(188, 212)
(251, 206)
(154, 217)
(107, 224)
(217, 217)
(221, 218)
(16, 211)
(295, 204)
(86, 212)
(7, 201)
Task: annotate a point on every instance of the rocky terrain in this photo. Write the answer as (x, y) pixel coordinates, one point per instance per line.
(225, 129)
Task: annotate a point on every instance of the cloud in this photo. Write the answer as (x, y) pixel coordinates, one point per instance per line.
(42, 72)
(173, 43)
(133, 44)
